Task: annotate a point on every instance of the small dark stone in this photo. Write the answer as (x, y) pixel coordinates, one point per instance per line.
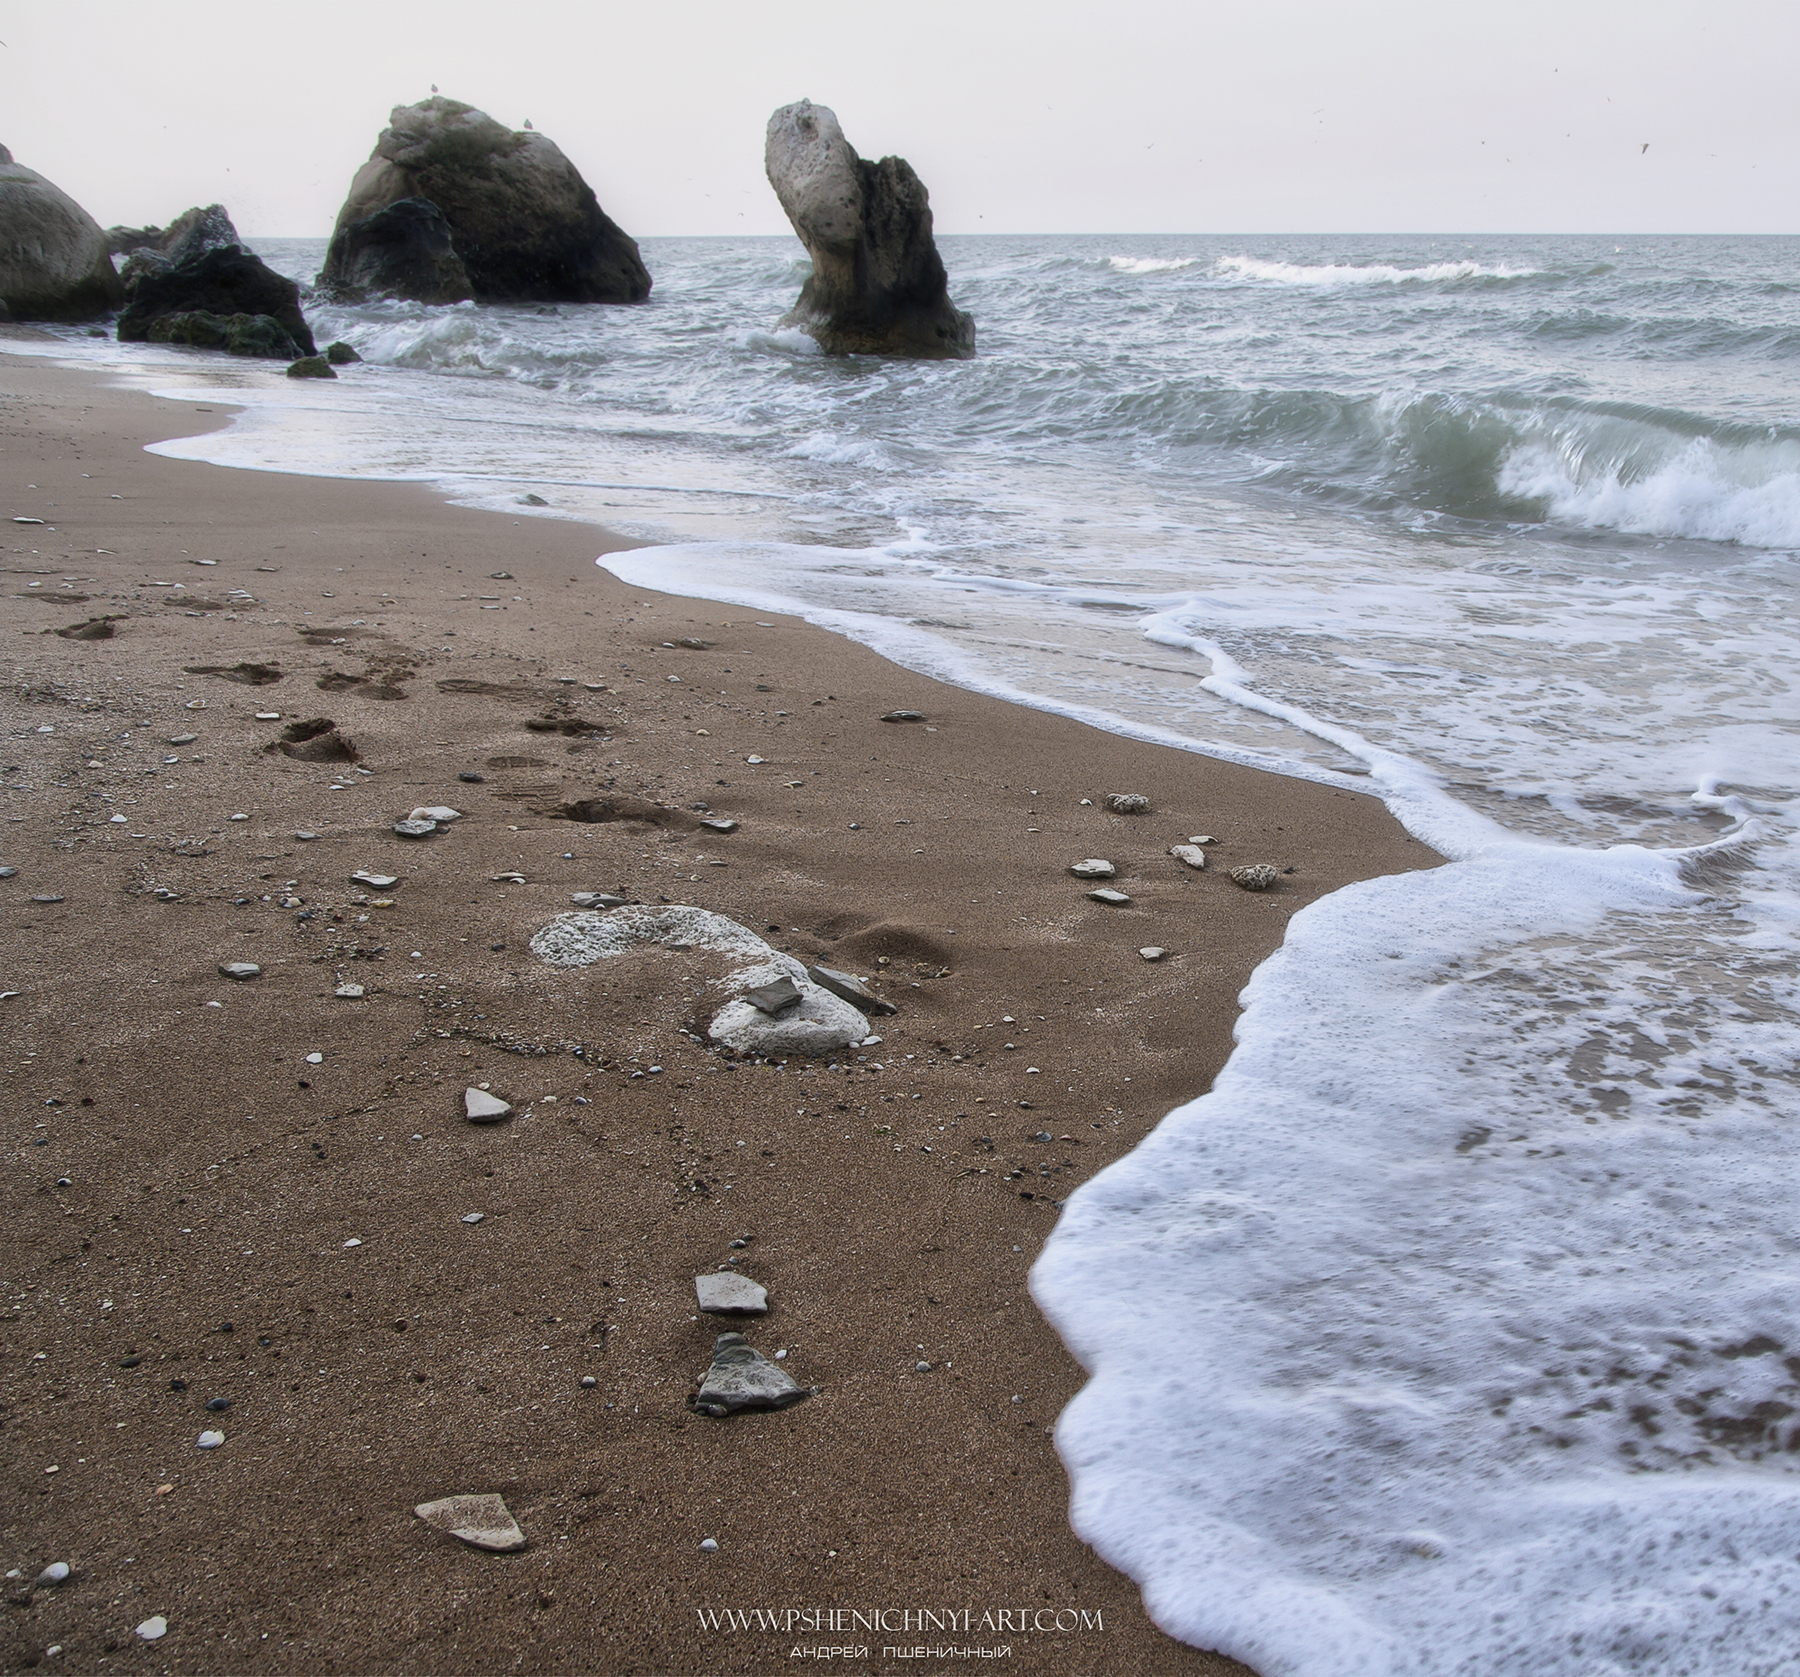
(472, 777)
(129, 1362)
(340, 354)
(904, 716)
(218, 1405)
(774, 998)
(178, 1385)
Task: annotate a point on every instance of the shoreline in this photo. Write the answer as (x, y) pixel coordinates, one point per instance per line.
(882, 1208)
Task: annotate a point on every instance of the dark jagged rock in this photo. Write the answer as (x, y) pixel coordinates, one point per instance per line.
(525, 225)
(196, 231)
(878, 285)
(340, 354)
(237, 334)
(190, 234)
(54, 264)
(404, 250)
(216, 282)
(311, 366)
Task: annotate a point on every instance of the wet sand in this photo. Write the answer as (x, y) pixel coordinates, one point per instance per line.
(198, 1209)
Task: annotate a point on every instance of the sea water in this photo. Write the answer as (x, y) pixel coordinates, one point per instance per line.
(1457, 1328)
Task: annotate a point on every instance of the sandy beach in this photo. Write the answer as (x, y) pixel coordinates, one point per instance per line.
(259, 1192)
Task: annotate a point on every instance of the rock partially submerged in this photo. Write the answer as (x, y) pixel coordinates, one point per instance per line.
(220, 282)
(523, 224)
(878, 285)
(483, 1521)
(405, 249)
(54, 264)
(741, 1377)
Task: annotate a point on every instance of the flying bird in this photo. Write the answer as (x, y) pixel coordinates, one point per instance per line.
(528, 122)
(434, 87)
(1641, 149)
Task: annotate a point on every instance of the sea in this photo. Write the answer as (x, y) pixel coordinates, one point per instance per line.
(1456, 1329)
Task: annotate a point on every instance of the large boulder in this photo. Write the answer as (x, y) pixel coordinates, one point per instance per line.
(54, 264)
(878, 285)
(525, 225)
(220, 282)
(405, 250)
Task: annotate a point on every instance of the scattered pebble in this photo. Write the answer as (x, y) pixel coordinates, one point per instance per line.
(471, 777)
(210, 1440)
(153, 1629)
(1093, 868)
(218, 1405)
(725, 1293)
(509, 879)
(375, 881)
(240, 972)
(1153, 953)
(1127, 803)
(57, 1572)
(7, 873)
(240, 816)
(352, 1241)
(479, 1107)
(1189, 855)
(268, 716)
(1111, 897)
(443, 814)
(741, 1377)
(474, 1217)
(349, 992)
(904, 716)
(589, 1382)
(483, 1521)
(719, 825)
(1202, 838)
(754, 760)
(414, 828)
(306, 838)
(1257, 876)
(48, 897)
(709, 1545)
(596, 899)
(315, 1059)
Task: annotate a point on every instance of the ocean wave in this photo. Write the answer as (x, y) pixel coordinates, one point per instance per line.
(1375, 273)
(1151, 264)
(1699, 492)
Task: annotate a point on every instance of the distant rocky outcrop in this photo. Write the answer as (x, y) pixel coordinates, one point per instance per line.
(149, 250)
(122, 241)
(217, 296)
(878, 285)
(404, 250)
(54, 264)
(523, 223)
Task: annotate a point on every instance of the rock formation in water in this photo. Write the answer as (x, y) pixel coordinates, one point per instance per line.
(878, 285)
(403, 250)
(524, 224)
(217, 296)
(54, 264)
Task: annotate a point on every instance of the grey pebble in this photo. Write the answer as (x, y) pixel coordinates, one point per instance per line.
(240, 972)
(741, 1377)
(1111, 897)
(729, 1294)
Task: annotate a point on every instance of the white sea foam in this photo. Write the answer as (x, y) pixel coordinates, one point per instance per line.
(1748, 495)
(1151, 264)
(1372, 273)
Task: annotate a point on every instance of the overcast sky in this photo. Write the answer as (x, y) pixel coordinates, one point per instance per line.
(1021, 116)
